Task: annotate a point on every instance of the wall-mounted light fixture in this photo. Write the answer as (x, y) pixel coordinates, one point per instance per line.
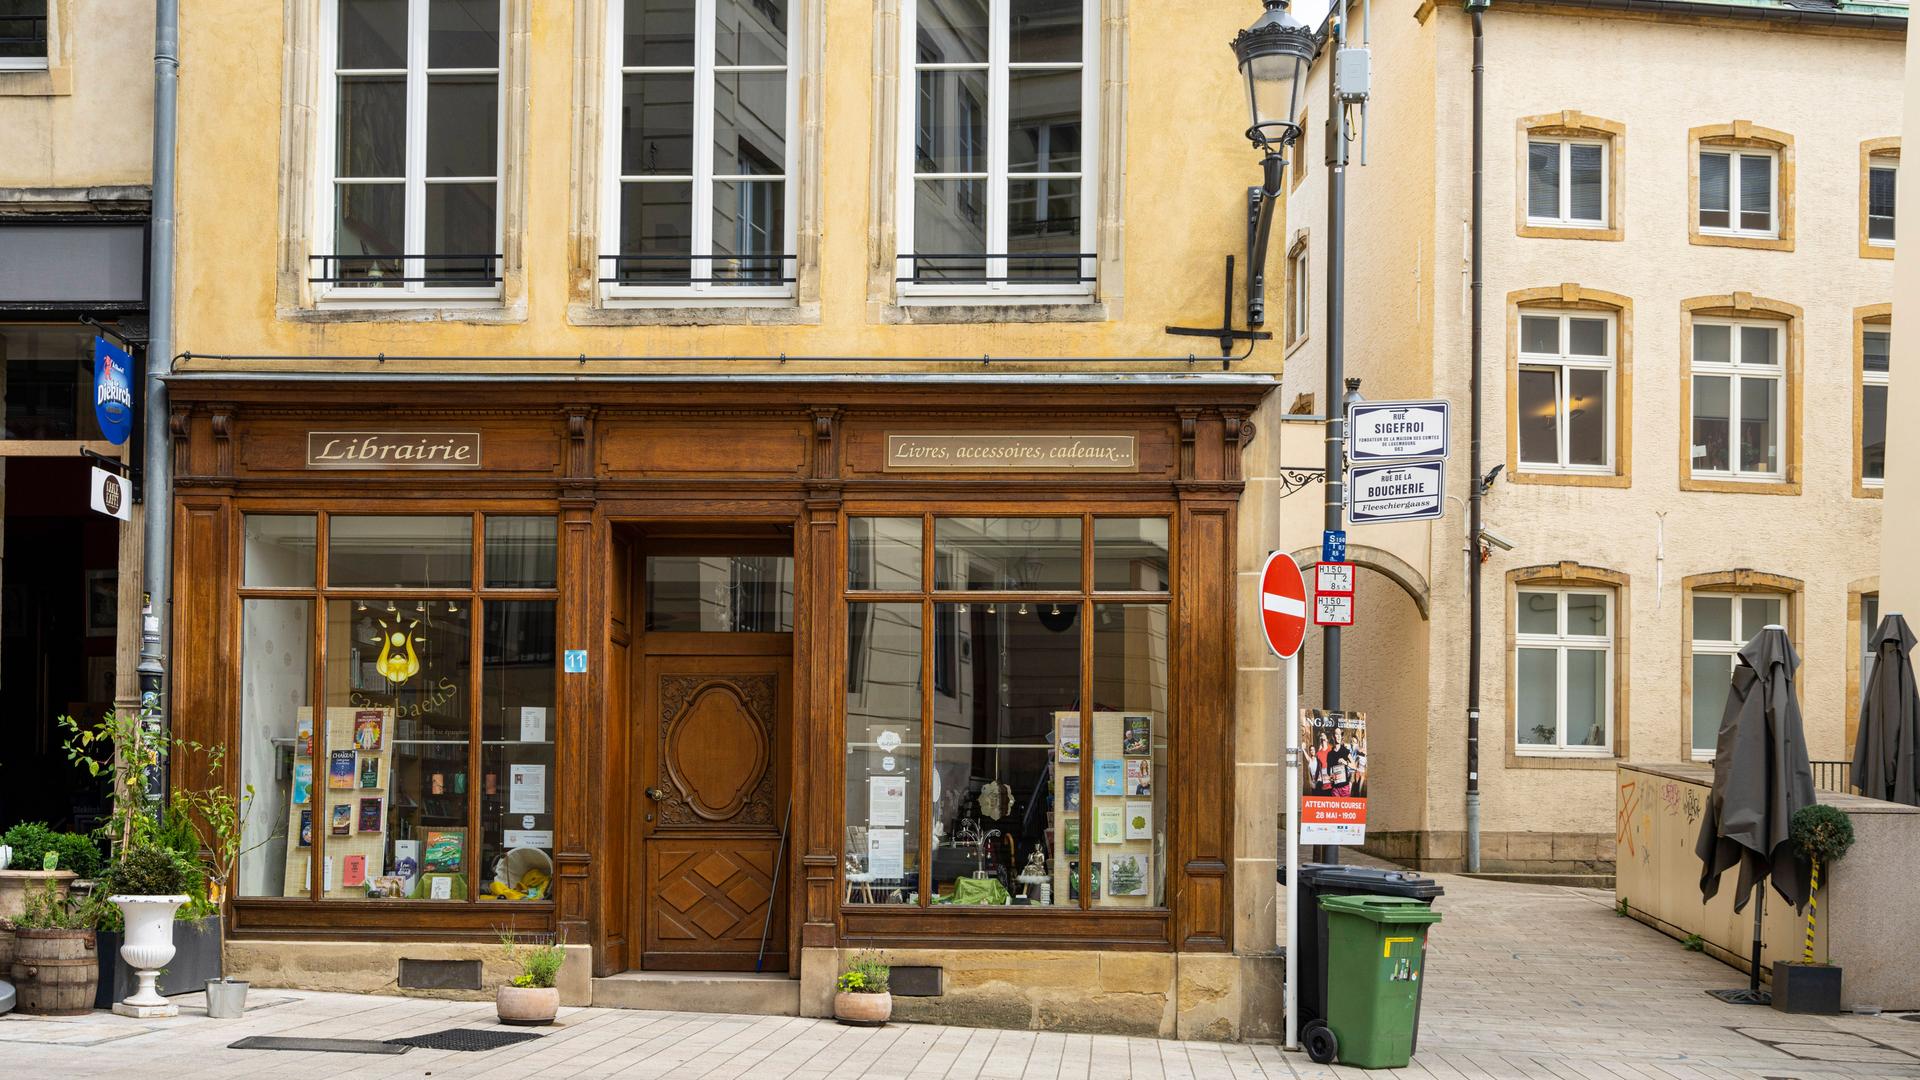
(1274, 54)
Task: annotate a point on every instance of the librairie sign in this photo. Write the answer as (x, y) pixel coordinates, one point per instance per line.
(1412, 491)
(393, 449)
(1020, 452)
(1396, 430)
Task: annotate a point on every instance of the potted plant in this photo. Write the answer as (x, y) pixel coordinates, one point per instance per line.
(1821, 834)
(148, 883)
(54, 968)
(31, 856)
(862, 998)
(531, 998)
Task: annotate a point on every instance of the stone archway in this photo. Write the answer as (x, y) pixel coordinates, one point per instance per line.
(1383, 562)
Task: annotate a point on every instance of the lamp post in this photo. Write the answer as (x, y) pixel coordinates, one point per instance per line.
(1273, 55)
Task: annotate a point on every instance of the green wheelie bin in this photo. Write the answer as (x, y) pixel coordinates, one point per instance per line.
(1376, 953)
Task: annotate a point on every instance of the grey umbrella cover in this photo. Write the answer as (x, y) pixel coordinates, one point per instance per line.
(1760, 777)
(1884, 753)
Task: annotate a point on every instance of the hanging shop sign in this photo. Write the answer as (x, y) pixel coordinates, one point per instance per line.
(1409, 491)
(110, 495)
(112, 390)
(1019, 452)
(1333, 781)
(393, 449)
(1396, 430)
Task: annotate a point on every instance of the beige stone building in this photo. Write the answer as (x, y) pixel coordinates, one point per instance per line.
(1688, 287)
(76, 93)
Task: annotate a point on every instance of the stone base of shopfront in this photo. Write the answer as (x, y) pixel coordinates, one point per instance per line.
(456, 970)
(1166, 995)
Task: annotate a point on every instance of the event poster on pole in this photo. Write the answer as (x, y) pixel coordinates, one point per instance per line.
(1333, 781)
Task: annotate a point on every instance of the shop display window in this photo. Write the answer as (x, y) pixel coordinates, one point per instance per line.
(993, 640)
(426, 770)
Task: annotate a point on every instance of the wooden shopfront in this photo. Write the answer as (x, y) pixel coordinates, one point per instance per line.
(708, 673)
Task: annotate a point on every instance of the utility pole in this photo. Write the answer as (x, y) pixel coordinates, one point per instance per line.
(158, 443)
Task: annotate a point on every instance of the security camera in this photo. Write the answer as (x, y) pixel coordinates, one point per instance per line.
(1494, 538)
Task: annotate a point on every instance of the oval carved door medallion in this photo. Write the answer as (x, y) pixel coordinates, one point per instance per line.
(716, 750)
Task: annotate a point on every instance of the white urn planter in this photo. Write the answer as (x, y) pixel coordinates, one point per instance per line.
(148, 948)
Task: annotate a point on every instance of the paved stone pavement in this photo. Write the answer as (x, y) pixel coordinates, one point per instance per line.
(1524, 981)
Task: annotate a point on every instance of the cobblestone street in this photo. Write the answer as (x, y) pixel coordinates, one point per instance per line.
(1524, 981)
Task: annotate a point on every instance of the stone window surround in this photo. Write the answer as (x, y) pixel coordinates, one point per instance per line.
(1743, 305)
(1107, 166)
(587, 209)
(1571, 296)
(1574, 124)
(1790, 589)
(300, 185)
(1857, 592)
(56, 78)
(1878, 315)
(1298, 329)
(1870, 149)
(1561, 575)
(1742, 135)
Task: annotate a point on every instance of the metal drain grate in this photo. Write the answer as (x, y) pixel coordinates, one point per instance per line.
(337, 1046)
(464, 1039)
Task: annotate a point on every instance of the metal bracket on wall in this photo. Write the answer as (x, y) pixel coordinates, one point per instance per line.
(1225, 332)
(1293, 481)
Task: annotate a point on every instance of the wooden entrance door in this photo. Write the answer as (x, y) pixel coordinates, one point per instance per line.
(713, 749)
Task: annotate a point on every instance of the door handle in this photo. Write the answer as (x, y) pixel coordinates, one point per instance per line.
(656, 794)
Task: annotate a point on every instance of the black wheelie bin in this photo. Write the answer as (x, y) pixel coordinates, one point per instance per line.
(1323, 879)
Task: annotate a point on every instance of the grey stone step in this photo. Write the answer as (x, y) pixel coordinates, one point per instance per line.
(699, 991)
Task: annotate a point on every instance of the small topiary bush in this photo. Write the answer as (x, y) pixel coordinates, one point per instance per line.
(31, 840)
(151, 871)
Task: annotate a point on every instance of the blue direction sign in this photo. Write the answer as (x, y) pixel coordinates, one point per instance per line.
(112, 390)
(1407, 491)
(1333, 545)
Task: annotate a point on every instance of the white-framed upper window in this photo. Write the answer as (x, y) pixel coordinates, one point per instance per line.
(23, 34)
(1739, 190)
(701, 101)
(1565, 391)
(1299, 311)
(1563, 671)
(995, 198)
(1723, 623)
(409, 150)
(1739, 397)
(1567, 182)
(1876, 353)
(1883, 171)
(1869, 622)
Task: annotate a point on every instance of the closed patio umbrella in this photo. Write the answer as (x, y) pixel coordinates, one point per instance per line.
(1761, 778)
(1884, 752)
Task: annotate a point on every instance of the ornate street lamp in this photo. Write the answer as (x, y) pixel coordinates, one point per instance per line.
(1273, 55)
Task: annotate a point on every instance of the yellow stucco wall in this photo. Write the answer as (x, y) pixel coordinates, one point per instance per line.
(88, 120)
(1187, 168)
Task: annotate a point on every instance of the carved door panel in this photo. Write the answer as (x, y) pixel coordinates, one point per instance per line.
(713, 763)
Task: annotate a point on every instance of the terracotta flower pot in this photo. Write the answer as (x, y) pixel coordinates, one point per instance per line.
(862, 1008)
(528, 1006)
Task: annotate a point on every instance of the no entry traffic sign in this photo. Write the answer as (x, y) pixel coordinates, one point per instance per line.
(1283, 604)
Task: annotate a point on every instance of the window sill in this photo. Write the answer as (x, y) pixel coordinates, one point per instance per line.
(1865, 489)
(1736, 240)
(36, 82)
(1295, 346)
(479, 312)
(1540, 231)
(1870, 249)
(939, 310)
(1553, 759)
(1729, 486)
(668, 313)
(1536, 475)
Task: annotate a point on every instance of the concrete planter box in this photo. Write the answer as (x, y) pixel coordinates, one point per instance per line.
(196, 958)
(527, 1006)
(864, 1009)
(15, 883)
(1806, 988)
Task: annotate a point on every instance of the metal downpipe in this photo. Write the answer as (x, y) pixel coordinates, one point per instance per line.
(1474, 616)
(157, 469)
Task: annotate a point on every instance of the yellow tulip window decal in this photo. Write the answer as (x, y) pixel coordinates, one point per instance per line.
(398, 661)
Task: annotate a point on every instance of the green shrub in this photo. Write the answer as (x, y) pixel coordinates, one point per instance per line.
(151, 871)
(45, 909)
(31, 840)
(866, 973)
(1821, 832)
(539, 957)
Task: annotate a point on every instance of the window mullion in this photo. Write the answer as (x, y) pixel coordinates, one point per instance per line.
(701, 227)
(414, 213)
(998, 81)
(1566, 184)
(1560, 681)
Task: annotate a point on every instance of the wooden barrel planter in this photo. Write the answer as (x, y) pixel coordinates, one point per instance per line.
(55, 972)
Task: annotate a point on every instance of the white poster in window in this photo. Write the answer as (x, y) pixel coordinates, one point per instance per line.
(440, 887)
(526, 789)
(1139, 820)
(533, 723)
(886, 853)
(532, 838)
(887, 802)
